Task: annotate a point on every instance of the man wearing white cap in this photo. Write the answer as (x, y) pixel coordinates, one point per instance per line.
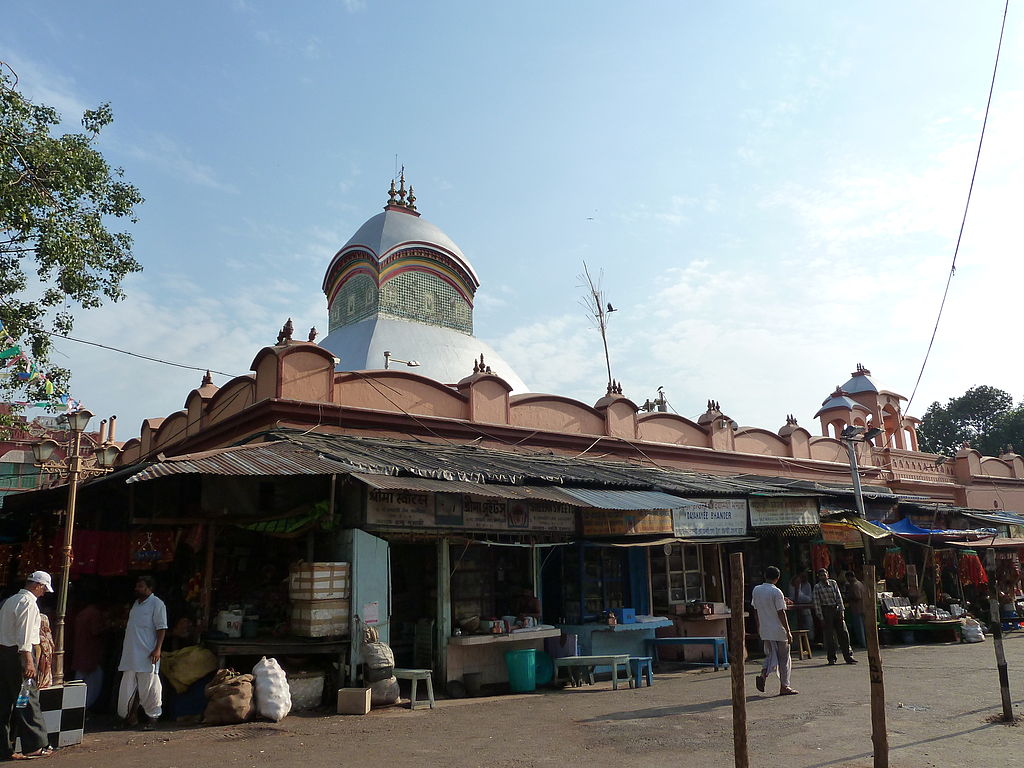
(140, 657)
(19, 631)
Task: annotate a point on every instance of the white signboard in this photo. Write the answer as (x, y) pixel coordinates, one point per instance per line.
(714, 517)
(765, 512)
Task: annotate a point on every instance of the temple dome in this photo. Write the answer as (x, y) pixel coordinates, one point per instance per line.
(401, 285)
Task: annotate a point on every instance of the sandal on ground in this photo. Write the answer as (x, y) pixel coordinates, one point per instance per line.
(759, 682)
(788, 692)
(44, 752)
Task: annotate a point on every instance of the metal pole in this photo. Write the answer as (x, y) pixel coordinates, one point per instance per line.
(879, 734)
(851, 449)
(74, 467)
(736, 644)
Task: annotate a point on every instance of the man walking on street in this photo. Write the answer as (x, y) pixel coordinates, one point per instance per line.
(773, 626)
(140, 658)
(19, 631)
(855, 607)
(828, 605)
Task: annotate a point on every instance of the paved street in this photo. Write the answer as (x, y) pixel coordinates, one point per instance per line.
(938, 700)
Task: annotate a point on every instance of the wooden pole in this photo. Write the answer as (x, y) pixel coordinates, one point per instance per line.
(207, 593)
(736, 644)
(997, 641)
(879, 735)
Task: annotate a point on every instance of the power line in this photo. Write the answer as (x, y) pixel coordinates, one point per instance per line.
(967, 205)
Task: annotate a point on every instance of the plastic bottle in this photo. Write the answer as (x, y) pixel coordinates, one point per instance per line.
(23, 694)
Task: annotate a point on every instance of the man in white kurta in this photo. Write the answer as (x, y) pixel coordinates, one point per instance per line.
(140, 657)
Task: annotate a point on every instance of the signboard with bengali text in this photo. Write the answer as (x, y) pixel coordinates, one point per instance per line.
(418, 509)
(783, 511)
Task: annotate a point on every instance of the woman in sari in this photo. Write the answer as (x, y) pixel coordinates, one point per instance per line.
(44, 654)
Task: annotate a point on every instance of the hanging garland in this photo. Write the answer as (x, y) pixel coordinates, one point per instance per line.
(893, 564)
(971, 569)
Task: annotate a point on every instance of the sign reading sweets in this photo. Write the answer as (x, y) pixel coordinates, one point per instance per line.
(765, 512)
(713, 517)
(417, 509)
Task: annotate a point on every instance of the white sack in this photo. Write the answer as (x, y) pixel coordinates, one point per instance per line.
(273, 696)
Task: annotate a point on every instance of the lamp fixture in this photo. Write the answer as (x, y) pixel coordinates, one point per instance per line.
(872, 433)
(43, 450)
(389, 358)
(79, 420)
(940, 460)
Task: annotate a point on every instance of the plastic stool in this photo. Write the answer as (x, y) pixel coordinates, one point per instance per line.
(642, 668)
(803, 642)
(416, 675)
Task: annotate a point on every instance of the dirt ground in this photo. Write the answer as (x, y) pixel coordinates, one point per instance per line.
(938, 701)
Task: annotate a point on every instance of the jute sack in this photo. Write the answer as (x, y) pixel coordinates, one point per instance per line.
(229, 698)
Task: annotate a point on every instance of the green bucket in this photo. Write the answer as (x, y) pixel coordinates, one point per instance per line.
(522, 670)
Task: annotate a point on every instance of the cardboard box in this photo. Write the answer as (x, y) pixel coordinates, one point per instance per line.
(319, 581)
(353, 701)
(320, 618)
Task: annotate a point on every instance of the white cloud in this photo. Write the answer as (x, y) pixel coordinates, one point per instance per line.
(772, 333)
(163, 152)
(41, 86)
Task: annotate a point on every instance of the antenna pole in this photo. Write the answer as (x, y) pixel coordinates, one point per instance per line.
(596, 305)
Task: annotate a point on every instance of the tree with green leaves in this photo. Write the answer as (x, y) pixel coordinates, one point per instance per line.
(59, 249)
(983, 417)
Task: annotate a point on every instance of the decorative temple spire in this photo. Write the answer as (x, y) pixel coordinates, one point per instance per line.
(207, 379)
(411, 204)
(401, 188)
(312, 333)
(285, 334)
(392, 200)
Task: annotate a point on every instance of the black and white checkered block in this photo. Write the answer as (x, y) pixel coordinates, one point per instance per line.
(64, 713)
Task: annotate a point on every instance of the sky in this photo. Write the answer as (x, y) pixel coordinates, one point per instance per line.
(772, 191)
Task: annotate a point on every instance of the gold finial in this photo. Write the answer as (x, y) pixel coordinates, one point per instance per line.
(411, 205)
(391, 194)
(401, 187)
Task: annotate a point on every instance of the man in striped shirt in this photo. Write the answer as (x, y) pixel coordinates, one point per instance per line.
(828, 606)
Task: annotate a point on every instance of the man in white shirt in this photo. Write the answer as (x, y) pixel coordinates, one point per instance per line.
(773, 625)
(140, 657)
(19, 631)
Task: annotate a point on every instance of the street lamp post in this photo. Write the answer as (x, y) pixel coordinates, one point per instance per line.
(879, 734)
(75, 469)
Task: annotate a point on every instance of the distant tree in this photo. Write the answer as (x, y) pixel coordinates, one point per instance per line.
(983, 417)
(58, 199)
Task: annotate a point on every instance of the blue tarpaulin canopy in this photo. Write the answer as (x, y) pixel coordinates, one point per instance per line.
(907, 528)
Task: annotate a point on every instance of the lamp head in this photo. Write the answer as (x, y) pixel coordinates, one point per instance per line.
(79, 420)
(107, 456)
(872, 433)
(851, 431)
(43, 450)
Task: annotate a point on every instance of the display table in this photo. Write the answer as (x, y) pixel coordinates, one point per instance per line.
(711, 625)
(485, 654)
(951, 626)
(277, 647)
(598, 639)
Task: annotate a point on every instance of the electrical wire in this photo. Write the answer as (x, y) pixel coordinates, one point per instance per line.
(967, 205)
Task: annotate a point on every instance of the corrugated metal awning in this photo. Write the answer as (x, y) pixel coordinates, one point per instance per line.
(999, 518)
(260, 459)
(621, 501)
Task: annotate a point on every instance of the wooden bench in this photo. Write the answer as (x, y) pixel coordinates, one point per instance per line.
(578, 666)
(416, 675)
(719, 643)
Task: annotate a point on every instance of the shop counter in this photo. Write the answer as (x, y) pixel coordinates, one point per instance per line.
(485, 654)
(277, 647)
(711, 625)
